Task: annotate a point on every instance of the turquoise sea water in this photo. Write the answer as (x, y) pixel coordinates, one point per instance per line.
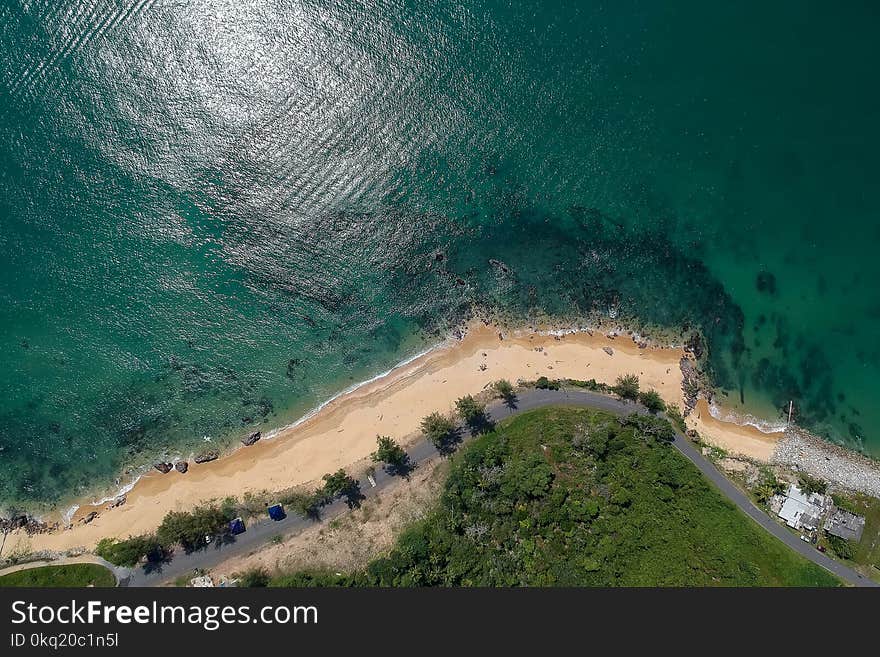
(215, 215)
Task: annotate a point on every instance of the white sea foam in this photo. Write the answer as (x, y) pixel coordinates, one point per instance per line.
(352, 388)
(746, 419)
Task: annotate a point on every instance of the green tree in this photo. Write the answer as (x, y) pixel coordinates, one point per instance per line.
(472, 412)
(341, 484)
(392, 454)
(543, 383)
(810, 484)
(337, 483)
(768, 486)
(191, 529)
(440, 430)
(627, 387)
(651, 400)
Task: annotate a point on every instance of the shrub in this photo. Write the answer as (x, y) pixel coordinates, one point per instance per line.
(677, 419)
(651, 400)
(627, 387)
(504, 390)
(591, 385)
(126, 552)
(810, 485)
(842, 548)
(255, 577)
(543, 383)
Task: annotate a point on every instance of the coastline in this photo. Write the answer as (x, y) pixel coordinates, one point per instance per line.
(342, 431)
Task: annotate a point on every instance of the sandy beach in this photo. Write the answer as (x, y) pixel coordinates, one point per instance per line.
(344, 431)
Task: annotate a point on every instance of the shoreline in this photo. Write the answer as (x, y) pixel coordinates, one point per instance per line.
(341, 431)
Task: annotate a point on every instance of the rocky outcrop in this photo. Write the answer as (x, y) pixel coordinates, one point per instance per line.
(837, 465)
(163, 467)
(694, 345)
(204, 457)
(181, 467)
(251, 439)
(27, 524)
(608, 350)
(690, 384)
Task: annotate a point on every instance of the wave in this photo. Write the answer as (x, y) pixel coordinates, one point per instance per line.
(746, 419)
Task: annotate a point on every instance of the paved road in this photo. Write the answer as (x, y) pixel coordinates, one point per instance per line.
(260, 532)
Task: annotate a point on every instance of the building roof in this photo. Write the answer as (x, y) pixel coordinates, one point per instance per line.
(844, 524)
(801, 510)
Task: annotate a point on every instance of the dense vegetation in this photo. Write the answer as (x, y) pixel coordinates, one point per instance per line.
(579, 497)
(73, 575)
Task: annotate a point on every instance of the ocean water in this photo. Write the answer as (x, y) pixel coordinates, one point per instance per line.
(215, 215)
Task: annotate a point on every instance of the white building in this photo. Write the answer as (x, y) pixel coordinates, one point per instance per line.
(802, 511)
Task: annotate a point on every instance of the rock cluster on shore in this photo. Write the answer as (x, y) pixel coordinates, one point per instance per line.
(690, 384)
(204, 457)
(164, 467)
(29, 524)
(251, 439)
(818, 458)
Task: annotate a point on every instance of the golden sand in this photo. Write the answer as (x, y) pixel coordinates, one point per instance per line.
(344, 431)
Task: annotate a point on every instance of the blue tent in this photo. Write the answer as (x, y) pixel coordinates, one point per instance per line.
(276, 512)
(236, 526)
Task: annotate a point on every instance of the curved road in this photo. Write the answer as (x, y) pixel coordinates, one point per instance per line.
(261, 531)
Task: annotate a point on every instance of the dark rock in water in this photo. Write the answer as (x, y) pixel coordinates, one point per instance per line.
(207, 456)
(439, 257)
(250, 440)
(181, 467)
(292, 365)
(164, 468)
(497, 263)
(459, 281)
(766, 282)
(694, 345)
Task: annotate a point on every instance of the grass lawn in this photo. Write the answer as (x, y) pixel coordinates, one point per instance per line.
(73, 575)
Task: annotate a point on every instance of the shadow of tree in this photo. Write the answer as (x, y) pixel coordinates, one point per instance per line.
(480, 424)
(403, 469)
(450, 442)
(156, 560)
(353, 496)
